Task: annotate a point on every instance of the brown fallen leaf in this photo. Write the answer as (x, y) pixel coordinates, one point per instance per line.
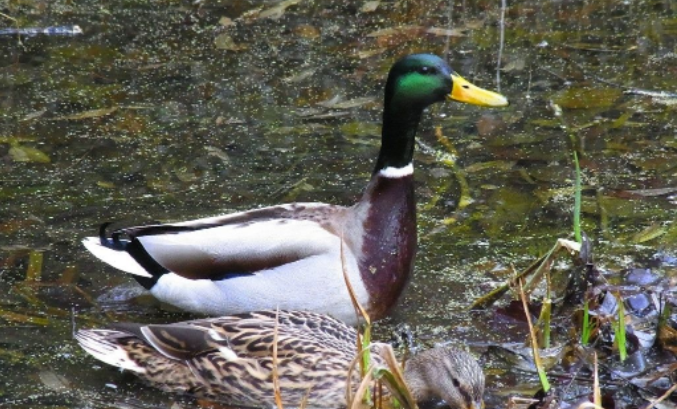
(226, 42)
(370, 6)
(226, 21)
(298, 77)
(278, 11)
(370, 53)
(20, 153)
(336, 103)
(446, 32)
(34, 115)
(396, 30)
(411, 29)
(93, 113)
(307, 31)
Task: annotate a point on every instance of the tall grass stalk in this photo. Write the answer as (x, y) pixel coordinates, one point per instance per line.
(534, 343)
(587, 329)
(544, 320)
(577, 200)
(364, 339)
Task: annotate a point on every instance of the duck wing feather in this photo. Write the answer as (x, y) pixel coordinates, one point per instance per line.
(240, 243)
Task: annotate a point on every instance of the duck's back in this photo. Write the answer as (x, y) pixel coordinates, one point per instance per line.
(231, 358)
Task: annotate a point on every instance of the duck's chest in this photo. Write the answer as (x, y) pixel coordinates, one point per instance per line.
(388, 244)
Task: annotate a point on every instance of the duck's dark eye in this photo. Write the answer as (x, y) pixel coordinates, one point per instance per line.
(425, 70)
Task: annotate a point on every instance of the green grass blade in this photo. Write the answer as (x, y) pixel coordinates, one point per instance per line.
(621, 340)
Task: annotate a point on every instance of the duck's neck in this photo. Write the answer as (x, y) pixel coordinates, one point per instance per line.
(397, 137)
(388, 219)
(388, 214)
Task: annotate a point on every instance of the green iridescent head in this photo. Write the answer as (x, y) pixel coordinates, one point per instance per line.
(419, 80)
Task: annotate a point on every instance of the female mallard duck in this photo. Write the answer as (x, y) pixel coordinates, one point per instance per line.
(292, 256)
(231, 359)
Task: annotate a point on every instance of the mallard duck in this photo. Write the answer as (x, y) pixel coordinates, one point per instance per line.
(293, 256)
(230, 359)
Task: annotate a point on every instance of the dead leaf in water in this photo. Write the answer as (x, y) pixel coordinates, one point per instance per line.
(34, 270)
(307, 31)
(34, 115)
(586, 97)
(370, 6)
(226, 21)
(415, 30)
(226, 42)
(218, 153)
(370, 53)
(21, 153)
(93, 113)
(22, 318)
(649, 233)
(54, 381)
(515, 65)
(335, 102)
(667, 336)
(446, 32)
(652, 192)
(395, 30)
(278, 11)
(299, 76)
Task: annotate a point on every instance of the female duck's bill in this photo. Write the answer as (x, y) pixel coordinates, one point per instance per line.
(294, 256)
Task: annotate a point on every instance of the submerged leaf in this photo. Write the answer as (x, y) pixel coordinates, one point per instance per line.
(94, 113)
(278, 11)
(586, 97)
(336, 103)
(34, 115)
(54, 381)
(226, 21)
(27, 154)
(407, 29)
(226, 42)
(445, 32)
(370, 6)
(34, 270)
(649, 233)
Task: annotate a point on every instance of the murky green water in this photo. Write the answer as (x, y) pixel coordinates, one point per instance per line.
(169, 110)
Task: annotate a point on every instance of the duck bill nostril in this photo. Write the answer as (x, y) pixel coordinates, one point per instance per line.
(464, 91)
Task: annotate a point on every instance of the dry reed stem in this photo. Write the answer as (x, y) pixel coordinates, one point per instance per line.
(351, 368)
(534, 343)
(359, 311)
(276, 378)
(596, 391)
(662, 397)
(366, 383)
(400, 385)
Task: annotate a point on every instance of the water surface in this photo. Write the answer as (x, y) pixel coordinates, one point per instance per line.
(171, 110)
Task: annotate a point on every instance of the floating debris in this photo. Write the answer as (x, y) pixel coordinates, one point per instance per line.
(66, 31)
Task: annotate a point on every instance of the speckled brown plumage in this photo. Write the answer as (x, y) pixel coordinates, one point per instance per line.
(230, 359)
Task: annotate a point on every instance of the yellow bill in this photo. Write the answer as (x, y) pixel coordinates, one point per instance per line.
(464, 91)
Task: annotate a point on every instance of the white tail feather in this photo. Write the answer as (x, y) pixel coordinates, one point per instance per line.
(116, 258)
(97, 344)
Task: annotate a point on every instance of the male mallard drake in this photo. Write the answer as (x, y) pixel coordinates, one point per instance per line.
(231, 359)
(292, 256)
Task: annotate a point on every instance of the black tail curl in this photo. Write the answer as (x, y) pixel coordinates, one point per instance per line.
(114, 241)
